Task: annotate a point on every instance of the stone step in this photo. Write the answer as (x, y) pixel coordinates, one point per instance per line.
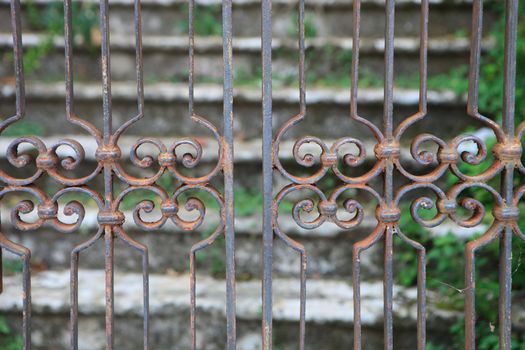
(329, 312)
(166, 109)
(329, 247)
(166, 58)
(323, 17)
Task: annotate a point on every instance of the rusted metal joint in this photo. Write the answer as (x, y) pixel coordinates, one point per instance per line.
(109, 217)
(166, 159)
(446, 206)
(168, 208)
(506, 213)
(108, 153)
(448, 155)
(47, 160)
(47, 210)
(388, 214)
(328, 208)
(387, 150)
(329, 159)
(508, 152)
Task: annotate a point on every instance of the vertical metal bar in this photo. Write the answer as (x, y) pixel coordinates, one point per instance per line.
(421, 253)
(387, 288)
(193, 304)
(356, 286)
(110, 286)
(509, 88)
(26, 287)
(470, 295)
(423, 57)
(108, 176)
(191, 54)
(302, 301)
(139, 64)
(191, 68)
(24, 253)
(302, 110)
(266, 43)
(388, 109)
(145, 291)
(73, 297)
(68, 52)
(421, 300)
(302, 76)
(509, 97)
(472, 108)
(106, 71)
(356, 37)
(139, 69)
(18, 54)
(228, 173)
(475, 51)
(505, 286)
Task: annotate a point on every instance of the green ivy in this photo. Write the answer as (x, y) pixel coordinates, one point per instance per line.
(207, 21)
(23, 128)
(8, 341)
(50, 20)
(310, 29)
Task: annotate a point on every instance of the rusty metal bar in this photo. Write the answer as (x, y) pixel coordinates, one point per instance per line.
(472, 108)
(267, 164)
(227, 162)
(110, 286)
(5, 244)
(302, 114)
(507, 153)
(109, 238)
(389, 170)
(507, 177)
(191, 87)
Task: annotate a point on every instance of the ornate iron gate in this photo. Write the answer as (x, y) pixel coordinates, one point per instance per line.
(507, 153)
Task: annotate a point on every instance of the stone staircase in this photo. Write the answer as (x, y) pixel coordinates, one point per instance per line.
(329, 304)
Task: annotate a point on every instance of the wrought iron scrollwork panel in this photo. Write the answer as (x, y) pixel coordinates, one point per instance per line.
(449, 203)
(109, 166)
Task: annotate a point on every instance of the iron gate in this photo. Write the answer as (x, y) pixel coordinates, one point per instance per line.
(507, 160)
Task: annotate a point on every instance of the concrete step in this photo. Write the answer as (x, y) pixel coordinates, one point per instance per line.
(166, 111)
(329, 312)
(166, 58)
(323, 17)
